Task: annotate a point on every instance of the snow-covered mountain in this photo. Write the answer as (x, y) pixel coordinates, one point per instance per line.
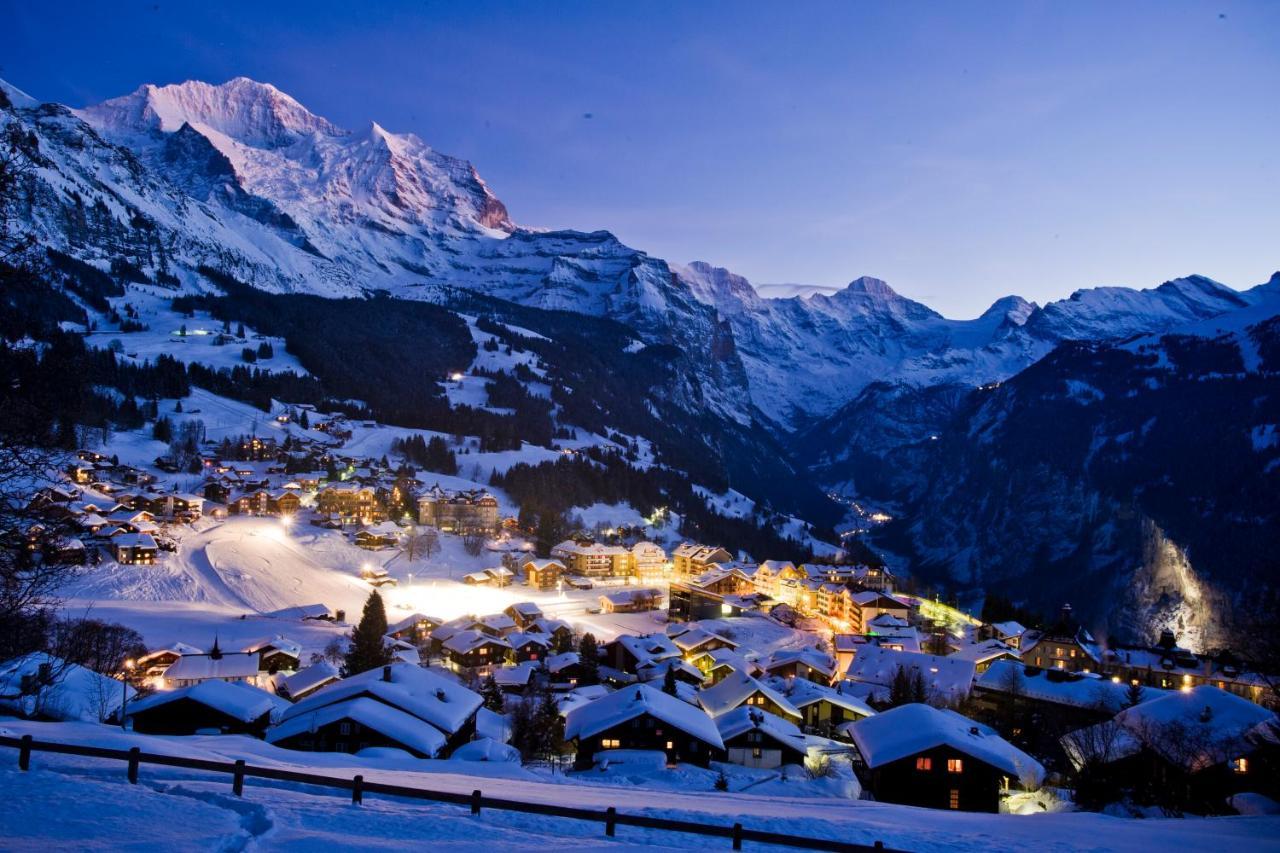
(242, 177)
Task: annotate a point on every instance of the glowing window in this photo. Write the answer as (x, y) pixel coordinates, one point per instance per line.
(610, 743)
(757, 752)
(954, 801)
(671, 744)
(1240, 765)
(924, 763)
(955, 765)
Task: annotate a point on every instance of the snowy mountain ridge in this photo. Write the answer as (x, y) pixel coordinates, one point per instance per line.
(243, 178)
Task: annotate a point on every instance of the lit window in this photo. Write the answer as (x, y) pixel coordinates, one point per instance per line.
(954, 801)
(1073, 652)
(671, 744)
(1060, 664)
(757, 752)
(924, 763)
(610, 743)
(955, 765)
(1240, 765)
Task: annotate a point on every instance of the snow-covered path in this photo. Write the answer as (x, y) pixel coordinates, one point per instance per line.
(185, 810)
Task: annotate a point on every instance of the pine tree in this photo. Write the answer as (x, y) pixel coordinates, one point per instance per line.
(304, 421)
(368, 649)
(900, 688)
(588, 660)
(492, 693)
(549, 727)
(163, 430)
(919, 692)
(669, 681)
(1133, 696)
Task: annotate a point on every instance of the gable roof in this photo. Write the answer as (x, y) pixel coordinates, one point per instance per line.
(950, 677)
(388, 721)
(191, 667)
(744, 719)
(239, 701)
(635, 701)
(445, 704)
(734, 689)
(1080, 690)
(910, 729)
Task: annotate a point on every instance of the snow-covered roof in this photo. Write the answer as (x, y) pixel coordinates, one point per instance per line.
(813, 658)
(279, 642)
(804, 693)
(987, 650)
(526, 609)
(634, 701)
(949, 677)
(412, 621)
(390, 722)
(240, 701)
(744, 719)
(698, 636)
(467, 641)
(498, 622)
(716, 658)
(310, 678)
(445, 704)
(200, 667)
(910, 729)
(734, 689)
(77, 692)
(305, 611)
(555, 663)
(514, 676)
(651, 647)
(629, 595)
(1009, 629)
(1080, 690)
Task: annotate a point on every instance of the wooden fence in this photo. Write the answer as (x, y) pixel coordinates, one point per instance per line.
(476, 801)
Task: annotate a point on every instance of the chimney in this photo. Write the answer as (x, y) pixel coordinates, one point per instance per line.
(386, 673)
(440, 694)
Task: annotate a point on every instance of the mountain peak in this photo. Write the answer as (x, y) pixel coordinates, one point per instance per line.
(871, 287)
(253, 113)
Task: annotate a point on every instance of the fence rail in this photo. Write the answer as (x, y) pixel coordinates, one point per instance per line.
(476, 800)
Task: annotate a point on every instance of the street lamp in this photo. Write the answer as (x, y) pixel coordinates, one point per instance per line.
(124, 689)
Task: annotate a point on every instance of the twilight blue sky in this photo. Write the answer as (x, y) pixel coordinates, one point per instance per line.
(961, 151)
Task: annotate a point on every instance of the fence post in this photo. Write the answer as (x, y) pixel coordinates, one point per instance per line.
(357, 790)
(24, 753)
(737, 836)
(134, 758)
(475, 802)
(610, 821)
(237, 778)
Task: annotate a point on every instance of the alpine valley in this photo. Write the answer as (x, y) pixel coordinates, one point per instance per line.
(1119, 449)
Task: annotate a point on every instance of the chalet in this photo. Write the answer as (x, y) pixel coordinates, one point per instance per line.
(692, 639)
(564, 670)
(134, 549)
(497, 576)
(1041, 705)
(497, 624)
(627, 653)
(475, 651)
(207, 706)
(350, 503)
(524, 613)
(378, 537)
(301, 684)
(739, 689)
(689, 559)
(648, 562)
(946, 679)
(869, 604)
(1065, 645)
(415, 629)
(593, 560)
(891, 632)
(716, 664)
(720, 591)
(528, 647)
(216, 665)
(641, 717)
(806, 664)
(1191, 748)
(1010, 633)
(277, 654)
(283, 503)
(630, 600)
(920, 756)
(825, 709)
(542, 574)
(434, 715)
(985, 653)
(459, 512)
(682, 671)
(1169, 666)
(755, 738)
(515, 678)
(779, 580)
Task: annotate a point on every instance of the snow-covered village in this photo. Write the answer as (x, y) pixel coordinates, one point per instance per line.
(339, 510)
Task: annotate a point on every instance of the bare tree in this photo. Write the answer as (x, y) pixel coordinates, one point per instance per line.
(473, 544)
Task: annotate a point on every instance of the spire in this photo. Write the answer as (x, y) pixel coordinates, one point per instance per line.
(215, 653)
